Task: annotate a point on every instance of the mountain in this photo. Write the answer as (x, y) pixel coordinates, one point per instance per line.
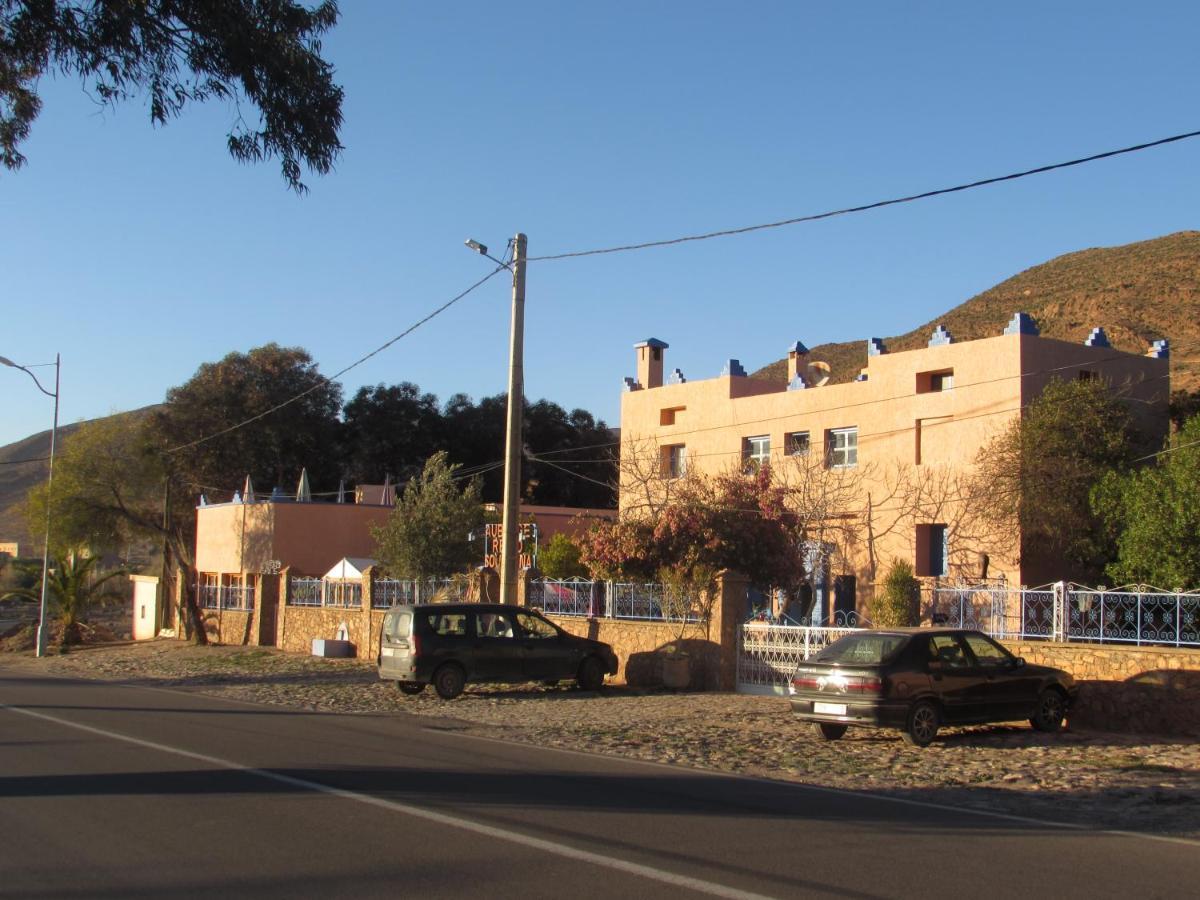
(1137, 292)
(22, 465)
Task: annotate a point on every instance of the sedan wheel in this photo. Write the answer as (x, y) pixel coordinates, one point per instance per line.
(829, 731)
(591, 674)
(1051, 710)
(922, 725)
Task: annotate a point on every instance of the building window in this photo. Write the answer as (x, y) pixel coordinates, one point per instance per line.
(797, 443)
(667, 415)
(933, 550)
(935, 382)
(842, 444)
(756, 452)
(674, 461)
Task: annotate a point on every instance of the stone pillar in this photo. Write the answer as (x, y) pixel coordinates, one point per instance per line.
(285, 598)
(524, 583)
(725, 623)
(365, 648)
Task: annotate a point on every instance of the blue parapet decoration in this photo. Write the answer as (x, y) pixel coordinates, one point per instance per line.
(940, 337)
(732, 368)
(876, 347)
(631, 384)
(1160, 349)
(798, 348)
(861, 376)
(1097, 339)
(797, 384)
(676, 377)
(1021, 323)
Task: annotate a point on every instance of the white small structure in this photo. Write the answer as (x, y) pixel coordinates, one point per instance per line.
(146, 608)
(350, 568)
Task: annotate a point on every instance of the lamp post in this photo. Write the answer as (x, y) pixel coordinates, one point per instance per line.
(509, 535)
(42, 630)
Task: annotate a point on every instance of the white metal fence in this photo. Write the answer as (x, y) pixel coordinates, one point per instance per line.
(386, 592)
(1137, 614)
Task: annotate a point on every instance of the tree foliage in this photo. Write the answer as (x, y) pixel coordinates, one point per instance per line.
(427, 534)
(390, 430)
(733, 521)
(560, 558)
(1041, 471)
(1154, 516)
(266, 52)
(289, 436)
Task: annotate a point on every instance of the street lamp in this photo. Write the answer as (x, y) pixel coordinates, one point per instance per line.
(42, 630)
(509, 533)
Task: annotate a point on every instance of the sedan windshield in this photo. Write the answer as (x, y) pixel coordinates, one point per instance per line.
(863, 649)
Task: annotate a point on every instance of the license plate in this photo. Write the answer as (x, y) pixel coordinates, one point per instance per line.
(830, 709)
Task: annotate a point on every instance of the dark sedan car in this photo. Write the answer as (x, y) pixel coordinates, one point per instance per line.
(917, 679)
(449, 644)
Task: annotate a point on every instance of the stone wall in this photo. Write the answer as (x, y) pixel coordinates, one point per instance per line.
(1150, 690)
(228, 626)
(640, 647)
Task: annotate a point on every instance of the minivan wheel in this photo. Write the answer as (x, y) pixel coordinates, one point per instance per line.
(922, 725)
(591, 675)
(1050, 712)
(410, 687)
(829, 731)
(449, 680)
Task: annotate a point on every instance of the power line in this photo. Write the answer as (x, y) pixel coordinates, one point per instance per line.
(330, 379)
(17, 462)
(728, 232)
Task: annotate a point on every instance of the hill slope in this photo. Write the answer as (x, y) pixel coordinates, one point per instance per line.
(1137, 292)
(22, 465)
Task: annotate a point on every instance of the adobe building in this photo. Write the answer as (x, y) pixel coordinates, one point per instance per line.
(884, 462)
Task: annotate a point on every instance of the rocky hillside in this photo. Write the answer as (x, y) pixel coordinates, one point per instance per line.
(1138, 292)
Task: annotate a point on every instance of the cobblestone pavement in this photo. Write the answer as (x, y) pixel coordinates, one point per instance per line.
(1089, 778)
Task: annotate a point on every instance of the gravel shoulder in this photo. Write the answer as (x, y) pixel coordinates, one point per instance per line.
(1093, 779)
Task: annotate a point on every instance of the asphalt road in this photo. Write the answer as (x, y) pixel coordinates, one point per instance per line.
(123, 791)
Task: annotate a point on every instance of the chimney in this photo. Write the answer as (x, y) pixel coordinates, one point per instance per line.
(797, 362)
(650, 362)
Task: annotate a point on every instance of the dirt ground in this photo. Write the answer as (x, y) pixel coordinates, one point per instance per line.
(1093, 779)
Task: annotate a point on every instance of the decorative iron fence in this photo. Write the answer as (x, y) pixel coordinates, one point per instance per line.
(650, 602)
(305, 592)
(387, 592)
(568, 596)
(1137, 614)
(768, 654)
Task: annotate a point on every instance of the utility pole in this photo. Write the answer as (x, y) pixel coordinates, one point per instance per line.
(43, 631)
(510, 529)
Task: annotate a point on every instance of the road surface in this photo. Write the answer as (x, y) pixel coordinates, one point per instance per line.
(123, 791)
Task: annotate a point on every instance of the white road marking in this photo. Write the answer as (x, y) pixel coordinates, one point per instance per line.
(513, 837)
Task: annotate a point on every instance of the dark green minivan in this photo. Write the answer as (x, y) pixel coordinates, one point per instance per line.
(450, 644)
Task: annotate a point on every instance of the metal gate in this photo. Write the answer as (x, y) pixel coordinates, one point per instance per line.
(768, 654)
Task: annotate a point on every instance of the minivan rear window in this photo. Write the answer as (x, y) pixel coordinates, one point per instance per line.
(863, 649)
(448, 623)
(397, 626)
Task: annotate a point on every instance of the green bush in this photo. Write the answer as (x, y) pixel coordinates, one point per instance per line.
(898, 604)
(559, 558)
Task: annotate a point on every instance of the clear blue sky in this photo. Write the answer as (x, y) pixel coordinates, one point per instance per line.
(140, 253)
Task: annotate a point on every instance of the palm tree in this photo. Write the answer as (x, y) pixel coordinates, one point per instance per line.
(74, 589)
